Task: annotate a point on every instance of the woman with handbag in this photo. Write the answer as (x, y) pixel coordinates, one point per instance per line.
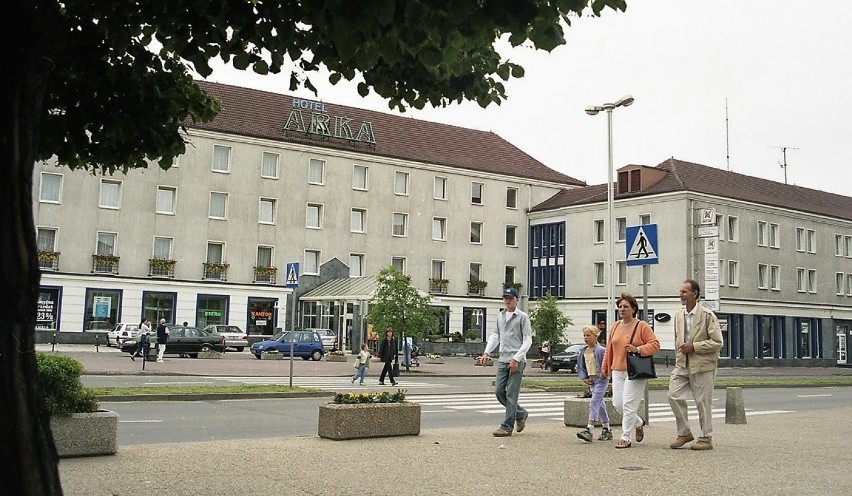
(629, 336)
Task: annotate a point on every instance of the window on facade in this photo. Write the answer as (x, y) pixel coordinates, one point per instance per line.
(266, 213)
(398, 263)
(511, 197)
(215, 252)
(476, 232)
(439, 229)
(766, 334)
(775, 277)
(313, 216)
(50, 189)
(838, 245)
(848, 284)
(599, 231)
(812, 281)
(599, 273)
(800, 239)
(400, 183)
(221, 158)
(510, 274)
(761, 233)
(316, 171)
(358, 220)
(356, 264)
(437, 269)
(359, 177)
(801, 280)
(733, 273)
(811, 241)
(720, 224)
(645, 219)
(166, 200)
(312, 258)
(440, 190)
(46, 239)
(839, 281)
(805, 339)
(621, 270)
(762, 276)
(547, 260)
(218, 205)
(264, 256)
(474, 272)
(106, 243)
(400, 224)
(774, 242)
(847, 247)
(733, 228)
(621, 229)
(269, 165)
(511, 235)
(722, 274)
(162, 248)
(476, 191)
(110, 196)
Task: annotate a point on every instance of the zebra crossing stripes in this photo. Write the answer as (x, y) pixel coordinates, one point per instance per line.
(328, 383)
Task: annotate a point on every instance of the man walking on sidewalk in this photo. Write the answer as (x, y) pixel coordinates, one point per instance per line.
(698, 340)
(514, 336)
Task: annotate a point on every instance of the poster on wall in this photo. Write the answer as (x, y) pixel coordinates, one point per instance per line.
(102, 306)
(47, 312)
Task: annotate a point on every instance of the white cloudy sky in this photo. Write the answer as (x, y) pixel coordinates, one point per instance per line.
(784, 68)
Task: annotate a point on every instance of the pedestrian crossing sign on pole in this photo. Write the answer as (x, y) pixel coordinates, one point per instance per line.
(641, 245)
(292, 280)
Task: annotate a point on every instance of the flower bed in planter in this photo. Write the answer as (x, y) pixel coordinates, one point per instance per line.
(272, 355)
(434, 359)
(205, 353)
(85, 434)
(365, 420)
(488, 363)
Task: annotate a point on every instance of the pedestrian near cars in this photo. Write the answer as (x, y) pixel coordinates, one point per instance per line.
(513, 335)
(627, 393)
(142, 338)
(162, 338)
(388, 354)
(362, 363)
(698, 339)
(589, 366)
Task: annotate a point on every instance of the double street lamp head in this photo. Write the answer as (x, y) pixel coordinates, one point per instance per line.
(625, 101)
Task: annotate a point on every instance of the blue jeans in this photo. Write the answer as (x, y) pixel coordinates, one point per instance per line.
(507, 386)
(360, 372)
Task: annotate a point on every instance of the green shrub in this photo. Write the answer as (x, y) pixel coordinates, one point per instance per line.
(59, 380)
(383, 397)
(471, 334)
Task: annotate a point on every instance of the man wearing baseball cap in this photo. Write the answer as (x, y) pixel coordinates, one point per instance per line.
(514, 336)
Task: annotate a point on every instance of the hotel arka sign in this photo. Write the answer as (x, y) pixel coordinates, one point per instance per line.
(311, 118)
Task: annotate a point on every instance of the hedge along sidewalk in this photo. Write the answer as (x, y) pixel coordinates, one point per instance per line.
(721, 382)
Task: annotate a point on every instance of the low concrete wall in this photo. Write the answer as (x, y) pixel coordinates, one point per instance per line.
(88, 337)
(577, 412)
(85, 434)
(358, 421)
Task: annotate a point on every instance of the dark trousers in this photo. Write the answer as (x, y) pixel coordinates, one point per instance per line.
(387, 370)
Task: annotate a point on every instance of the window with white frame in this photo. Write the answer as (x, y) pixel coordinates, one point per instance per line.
(476, 232)
(50, 189)
(733, 273)
(438, 269)
(400, 183)
(509, 274)
(400, 224)
(511, 235)
(801, 280)
(46, 239)
(848, 284)
(440, 189)
(313, 216)
(398, 263)
(264, 256)
(762, 276)
(106, 243)
(720, 224)
(621, 270)
(215, 252)
(356, 264)
(110, 196)
(733, 229)
(511, 197)
(166, 196)
(644, 219)
(621, 229)
(761, 233)
(839, 281)
(775, 277)
(476, 192)
(312, 258)
(800, 239)
(811, 241)
(838, 245)
(359, 177)
(474, 272)
(847, 247)
(269, 165)
(358, 220)
(599, 231)
(316, 171)
(774, 242)
(812, 281)
(162, 248)
(221, 158)
(439, 229)
(599, 273)
(266, 213)
(218, 205)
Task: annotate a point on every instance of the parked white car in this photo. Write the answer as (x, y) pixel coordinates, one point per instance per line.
(121, 333)
(329, 338)
(234, 336)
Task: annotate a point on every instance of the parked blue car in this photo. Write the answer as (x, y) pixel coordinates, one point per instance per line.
(306, 345)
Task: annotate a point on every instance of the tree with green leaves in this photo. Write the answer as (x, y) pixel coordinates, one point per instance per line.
(399, 306)
(548, 322)
(108, 86)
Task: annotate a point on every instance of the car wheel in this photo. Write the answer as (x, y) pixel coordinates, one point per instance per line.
(554, 368)
(239, 349)
(316, 355)
(193, 355)
(306, 358)
(257, 356)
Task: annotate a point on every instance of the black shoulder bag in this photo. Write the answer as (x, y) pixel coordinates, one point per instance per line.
(638, 366)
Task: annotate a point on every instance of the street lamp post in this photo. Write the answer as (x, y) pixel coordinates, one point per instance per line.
(609, 239)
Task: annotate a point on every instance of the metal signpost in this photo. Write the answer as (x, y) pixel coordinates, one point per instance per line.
(292, 282)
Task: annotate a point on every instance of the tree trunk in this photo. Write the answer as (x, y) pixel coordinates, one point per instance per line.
(30, 462)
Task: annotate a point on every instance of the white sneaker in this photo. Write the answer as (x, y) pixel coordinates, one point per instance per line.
(160, 360)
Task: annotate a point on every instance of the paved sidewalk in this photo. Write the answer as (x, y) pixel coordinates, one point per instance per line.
(795, 454)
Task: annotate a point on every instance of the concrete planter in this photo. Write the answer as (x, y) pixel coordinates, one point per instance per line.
(209, 354)
(489, 363)
(272, 355)
(85, 434)
(435, 361)
(335, 358)
(577, 412)
(365, 420)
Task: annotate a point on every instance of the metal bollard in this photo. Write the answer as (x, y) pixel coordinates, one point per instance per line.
(97, 343)
(53, 343)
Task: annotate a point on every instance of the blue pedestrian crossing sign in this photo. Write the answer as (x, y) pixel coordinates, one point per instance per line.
(292, 280)
(641, 245)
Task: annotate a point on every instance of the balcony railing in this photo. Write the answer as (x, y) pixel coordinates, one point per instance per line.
(265, 274)
(48, 260)
(476, 287)
(161, 267)
(214, 271)
(438, 286)
(105, 264)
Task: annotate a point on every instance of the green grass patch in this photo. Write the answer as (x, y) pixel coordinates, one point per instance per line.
(199, 389)
(721, 382)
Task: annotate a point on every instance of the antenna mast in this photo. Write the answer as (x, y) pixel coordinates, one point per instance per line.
(784, 155)
(727, 137)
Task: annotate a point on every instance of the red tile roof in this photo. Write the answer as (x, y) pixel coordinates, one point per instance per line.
(261, 114)
(688, 176)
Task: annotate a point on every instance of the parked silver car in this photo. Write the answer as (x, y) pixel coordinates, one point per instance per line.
(329, 337)
(234, 336)
(121, 333)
